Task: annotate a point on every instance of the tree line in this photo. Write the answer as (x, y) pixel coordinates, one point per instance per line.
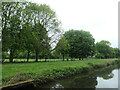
(30, 30)
(28, 27)
(81, 44)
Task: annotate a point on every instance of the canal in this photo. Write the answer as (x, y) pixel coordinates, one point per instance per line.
(101, 78)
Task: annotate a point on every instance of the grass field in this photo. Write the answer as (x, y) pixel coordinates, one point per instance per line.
(33, 60)
(42, 68)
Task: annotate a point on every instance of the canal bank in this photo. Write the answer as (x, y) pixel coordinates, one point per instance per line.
(59, 74)
(100, 78)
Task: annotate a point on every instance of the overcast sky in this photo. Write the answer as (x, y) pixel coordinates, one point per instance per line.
(99, 17)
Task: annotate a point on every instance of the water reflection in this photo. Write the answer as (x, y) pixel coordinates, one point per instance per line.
(57, 86)
(108, 82)
(104, 78)
(119, 78)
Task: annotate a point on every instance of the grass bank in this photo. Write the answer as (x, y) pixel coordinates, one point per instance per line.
(43, 72)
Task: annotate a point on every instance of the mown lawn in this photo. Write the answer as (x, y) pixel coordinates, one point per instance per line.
(33, 60)
(43, 67)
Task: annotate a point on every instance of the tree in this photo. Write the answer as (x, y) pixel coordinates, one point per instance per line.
(40, 40)
(44, 23)
(27, 39)
(27, 26)
(116, 52)
(81, 43)
(11, 27)
(62, 47)
(103, 49)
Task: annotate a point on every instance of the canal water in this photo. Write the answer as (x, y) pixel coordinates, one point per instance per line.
(102, 78)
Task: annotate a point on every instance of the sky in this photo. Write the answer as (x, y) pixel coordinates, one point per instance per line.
(99, 17)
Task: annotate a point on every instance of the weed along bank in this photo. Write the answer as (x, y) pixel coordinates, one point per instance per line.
(52, 71)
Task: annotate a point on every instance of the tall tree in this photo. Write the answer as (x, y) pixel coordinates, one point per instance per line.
(62, 47)
(103, 49)
(45, 23)
(27, 39)
(81, 43)
(11, 27)
(40, 39)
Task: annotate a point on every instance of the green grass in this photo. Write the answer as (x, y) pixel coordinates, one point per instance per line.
(32, 60)
(41, 68)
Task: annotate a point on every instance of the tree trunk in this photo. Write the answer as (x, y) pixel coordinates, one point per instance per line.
(45, 59)
(79, 58)
(11, 55)
(82, 58)
(67, 59)
(28, 55)
(63, 57)
(36, 56)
